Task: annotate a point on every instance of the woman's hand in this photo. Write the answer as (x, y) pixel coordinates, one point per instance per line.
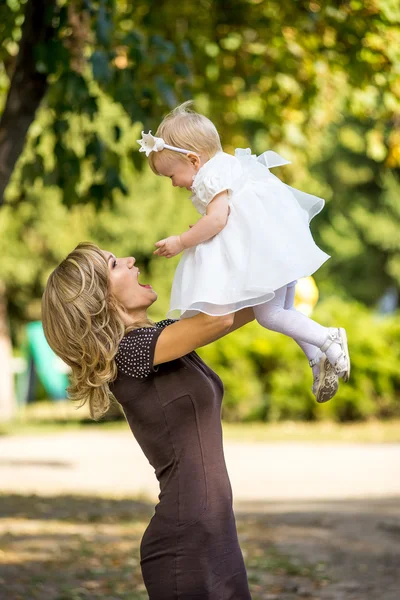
(169, 247)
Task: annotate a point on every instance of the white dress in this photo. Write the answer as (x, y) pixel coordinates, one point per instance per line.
(265, 244)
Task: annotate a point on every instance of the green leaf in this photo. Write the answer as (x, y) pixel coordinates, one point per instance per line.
(114, 181)
(187, 50)
(165, 49)
(90, 107)
(117, 133)
(104, 27)
(101, 67)
(182, 70)
(166, 92)
(96, 194)
(60, 127)
(96, 150)
(33, 169)
(134, 41)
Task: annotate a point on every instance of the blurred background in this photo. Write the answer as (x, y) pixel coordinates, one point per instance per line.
(317, 82)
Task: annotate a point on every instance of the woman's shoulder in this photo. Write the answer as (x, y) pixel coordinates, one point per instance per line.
(147, 329)
(136, 349)
(165, 323)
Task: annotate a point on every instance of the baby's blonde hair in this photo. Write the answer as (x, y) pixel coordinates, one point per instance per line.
(187, 129)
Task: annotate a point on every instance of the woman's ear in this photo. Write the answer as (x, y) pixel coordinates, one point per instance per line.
(195, 160)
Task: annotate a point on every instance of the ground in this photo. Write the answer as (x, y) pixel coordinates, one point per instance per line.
(63, 540)
(76, 547)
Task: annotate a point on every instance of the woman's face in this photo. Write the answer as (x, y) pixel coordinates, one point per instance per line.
(125, 287)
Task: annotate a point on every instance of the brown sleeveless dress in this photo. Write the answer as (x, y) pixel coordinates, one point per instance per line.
(190, 549)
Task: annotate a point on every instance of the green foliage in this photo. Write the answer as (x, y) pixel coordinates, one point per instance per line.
(360, 226)
(267, 376)
(98, 49)
(252, 66)
(315, 81)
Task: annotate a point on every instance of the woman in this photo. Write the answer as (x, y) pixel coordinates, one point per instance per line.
(95, 318)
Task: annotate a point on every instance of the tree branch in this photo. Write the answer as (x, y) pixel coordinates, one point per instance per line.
(27, 87)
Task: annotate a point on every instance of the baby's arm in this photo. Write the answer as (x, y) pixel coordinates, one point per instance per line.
(212, 223)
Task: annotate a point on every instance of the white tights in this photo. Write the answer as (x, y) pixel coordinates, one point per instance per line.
(280, 315)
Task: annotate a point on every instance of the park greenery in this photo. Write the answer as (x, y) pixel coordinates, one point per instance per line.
(317, 82)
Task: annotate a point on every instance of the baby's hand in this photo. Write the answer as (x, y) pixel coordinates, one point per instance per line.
(169, 247)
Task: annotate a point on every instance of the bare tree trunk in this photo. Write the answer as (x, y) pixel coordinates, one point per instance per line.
(27, 88)
(7, 397)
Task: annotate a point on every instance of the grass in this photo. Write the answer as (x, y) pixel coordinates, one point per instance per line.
(49, 417)
(321, 432)
(74, 548)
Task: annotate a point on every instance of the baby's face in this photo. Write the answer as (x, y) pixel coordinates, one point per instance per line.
(181, 172)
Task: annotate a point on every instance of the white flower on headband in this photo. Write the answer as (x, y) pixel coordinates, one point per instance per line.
(150, 143)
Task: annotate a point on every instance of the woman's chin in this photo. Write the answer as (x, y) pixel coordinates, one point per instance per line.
(153, 296)
(148, 292)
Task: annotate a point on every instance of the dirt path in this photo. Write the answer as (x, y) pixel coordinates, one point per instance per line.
(355, 544)
(112, 462)
(315, 521)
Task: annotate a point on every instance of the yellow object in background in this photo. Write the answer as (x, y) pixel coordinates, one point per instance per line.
(306, 296)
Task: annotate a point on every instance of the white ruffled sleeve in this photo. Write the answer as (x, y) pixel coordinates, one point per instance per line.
(216, 178)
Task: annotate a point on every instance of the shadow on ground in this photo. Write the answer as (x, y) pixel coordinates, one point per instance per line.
(83, 547)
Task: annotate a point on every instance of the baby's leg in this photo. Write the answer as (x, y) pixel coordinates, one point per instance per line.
(313, 353)
(272, 315)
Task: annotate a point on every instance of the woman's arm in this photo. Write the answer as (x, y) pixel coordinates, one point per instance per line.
(186, 335)
(241, 317)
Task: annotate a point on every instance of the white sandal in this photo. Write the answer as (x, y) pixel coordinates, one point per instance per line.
(342, 364)
(326, 382)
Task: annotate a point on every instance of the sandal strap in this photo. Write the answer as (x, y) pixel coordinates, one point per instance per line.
(314, 361)
(332, 337)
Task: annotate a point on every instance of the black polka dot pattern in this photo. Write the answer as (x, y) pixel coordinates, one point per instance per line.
(136, 350)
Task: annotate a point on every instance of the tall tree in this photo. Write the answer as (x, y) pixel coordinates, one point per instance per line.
(29, 82)
(7, 401)
(70, 49)
(257, 68)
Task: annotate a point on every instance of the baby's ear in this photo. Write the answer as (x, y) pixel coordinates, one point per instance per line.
(194, 159)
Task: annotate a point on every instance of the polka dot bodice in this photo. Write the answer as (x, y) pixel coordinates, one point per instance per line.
(136, 350)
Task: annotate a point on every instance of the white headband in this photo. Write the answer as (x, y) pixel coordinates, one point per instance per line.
(150, 143)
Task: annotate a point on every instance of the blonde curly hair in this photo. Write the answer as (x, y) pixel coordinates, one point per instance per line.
(185, 128)
(83, 324)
